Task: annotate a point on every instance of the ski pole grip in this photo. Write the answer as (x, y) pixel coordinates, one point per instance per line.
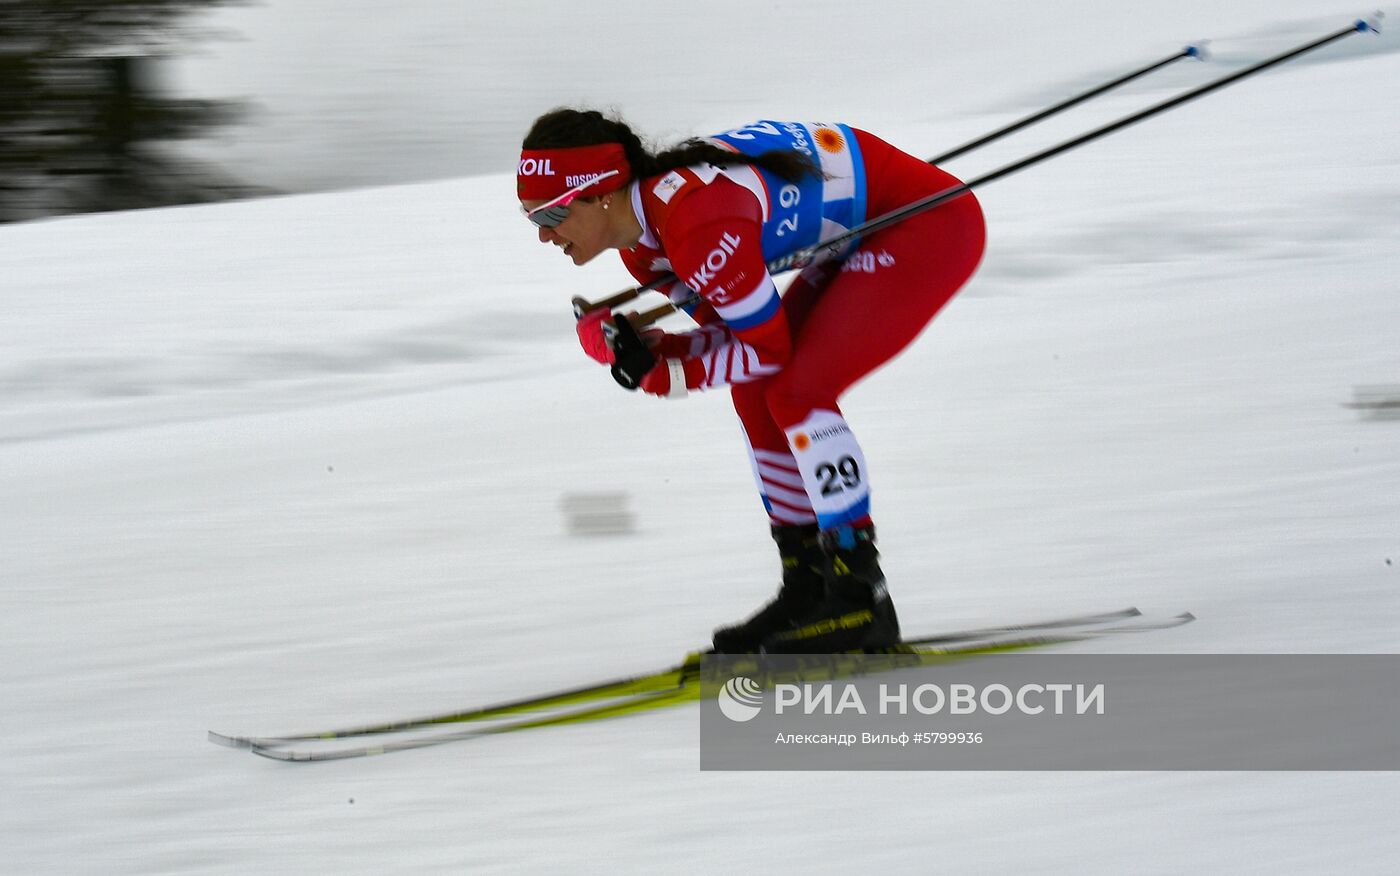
(582, 306)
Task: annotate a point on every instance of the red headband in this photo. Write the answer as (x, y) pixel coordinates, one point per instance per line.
(545, 174)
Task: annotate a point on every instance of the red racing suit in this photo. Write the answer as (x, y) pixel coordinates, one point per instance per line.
(789, 358)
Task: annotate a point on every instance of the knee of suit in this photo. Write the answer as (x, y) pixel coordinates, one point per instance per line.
(790, 404)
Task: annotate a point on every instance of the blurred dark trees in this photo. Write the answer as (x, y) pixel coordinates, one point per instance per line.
(83, 126)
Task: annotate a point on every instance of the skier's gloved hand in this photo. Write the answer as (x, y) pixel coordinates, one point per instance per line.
(674, 378)
(633, 357)
(591, 338)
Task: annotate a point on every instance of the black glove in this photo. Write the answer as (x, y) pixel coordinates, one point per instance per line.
(634, 357)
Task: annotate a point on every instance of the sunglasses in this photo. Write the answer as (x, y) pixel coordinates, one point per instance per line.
(551, 213)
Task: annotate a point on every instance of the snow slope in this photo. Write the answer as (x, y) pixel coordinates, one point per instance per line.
(293, 462)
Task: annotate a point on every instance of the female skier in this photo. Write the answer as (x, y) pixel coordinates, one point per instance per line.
(714, 212)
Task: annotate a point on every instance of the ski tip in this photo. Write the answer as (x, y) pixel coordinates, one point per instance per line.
(230, 741)
(1199, 50)
(287, 755)
(1186, 617)
(1371, 24)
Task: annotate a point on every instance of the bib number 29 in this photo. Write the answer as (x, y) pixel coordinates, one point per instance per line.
(838, 477)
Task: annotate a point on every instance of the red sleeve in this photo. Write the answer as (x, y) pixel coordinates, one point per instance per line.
(713, 236)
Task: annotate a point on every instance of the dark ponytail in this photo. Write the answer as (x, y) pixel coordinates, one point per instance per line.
(563, 128)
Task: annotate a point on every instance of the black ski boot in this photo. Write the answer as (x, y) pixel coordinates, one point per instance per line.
(856, 612)
(804, 581)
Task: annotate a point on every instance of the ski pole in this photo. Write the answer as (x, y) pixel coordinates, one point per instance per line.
(804, 256)
(1188, 52)
(583, 306)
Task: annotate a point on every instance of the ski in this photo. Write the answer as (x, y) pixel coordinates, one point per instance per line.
(906, 655)
(630, 704)
(1082, 620)
(667, 679)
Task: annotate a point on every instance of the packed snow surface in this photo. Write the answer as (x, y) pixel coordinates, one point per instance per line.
(302, 461)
